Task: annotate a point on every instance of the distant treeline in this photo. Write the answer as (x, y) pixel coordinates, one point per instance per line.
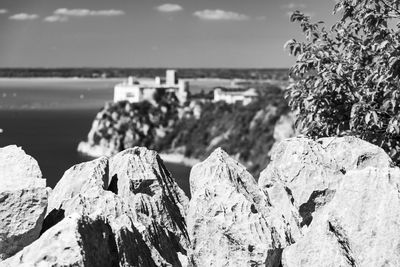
(276, 74)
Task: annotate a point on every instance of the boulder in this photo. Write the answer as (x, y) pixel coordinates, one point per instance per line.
(350, 153)
(23, 200)
(230, 220)
(136, 196)
(144, 181)
(75, 241)
(302, 166)
(358, 227)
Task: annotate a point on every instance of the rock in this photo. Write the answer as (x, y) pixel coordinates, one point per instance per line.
(350, 153)
(136, 196)
(230, 220)
(144, 182)
(302, 166)
(18, 170)
(358, 227)
(23, 200)
(75, 241)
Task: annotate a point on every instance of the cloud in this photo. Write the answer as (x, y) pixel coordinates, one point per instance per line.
(3, 11)
(24, 16)
(219, 14)
(87, 12)
(293, 6)
(64, 14)
(56, 18)
(169, 8)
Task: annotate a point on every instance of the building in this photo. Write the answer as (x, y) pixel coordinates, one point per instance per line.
(234, 95)
(134, 91)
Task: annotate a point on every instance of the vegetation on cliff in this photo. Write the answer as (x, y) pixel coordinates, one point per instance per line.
(194, 130)
(347, 78)
(243, 131)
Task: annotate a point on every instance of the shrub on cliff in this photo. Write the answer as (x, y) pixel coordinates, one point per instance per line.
(346, 79)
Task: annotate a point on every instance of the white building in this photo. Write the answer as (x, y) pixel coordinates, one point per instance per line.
(235, 94)
(134, 92)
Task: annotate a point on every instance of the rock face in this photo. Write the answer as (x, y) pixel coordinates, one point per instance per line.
(75, 241)
(346, 193)
(23, 200)
(136, 196)
(359, 227)
(230, 220)
(329, 202)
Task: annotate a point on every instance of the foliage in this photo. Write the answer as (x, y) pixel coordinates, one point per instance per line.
(346, 79)
(245, 132)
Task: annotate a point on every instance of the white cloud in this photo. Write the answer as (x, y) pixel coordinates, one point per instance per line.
(24, 16)
(219, 14)
(87, 12)
(56, 18)
(169, 8)
(3, 11)
(64, 14)
(293, 6)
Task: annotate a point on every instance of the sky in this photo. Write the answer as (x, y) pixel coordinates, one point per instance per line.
(152, 33)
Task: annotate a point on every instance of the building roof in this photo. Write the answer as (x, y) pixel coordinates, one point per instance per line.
(238, 91)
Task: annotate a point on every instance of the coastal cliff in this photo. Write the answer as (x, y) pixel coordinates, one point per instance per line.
(329, 202)
(188, 134)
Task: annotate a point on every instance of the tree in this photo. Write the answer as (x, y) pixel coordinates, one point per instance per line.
(346, 79)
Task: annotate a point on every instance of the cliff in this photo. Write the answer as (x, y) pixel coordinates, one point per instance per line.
(329, 202)
(194, 131)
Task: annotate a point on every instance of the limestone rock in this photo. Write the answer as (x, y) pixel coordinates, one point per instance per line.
(358, 227)
(353, 153)
(143, 180)
(75, 241)
(18, 170)
(136, 196)
(303, 166)
(230, 220)
(23, 200)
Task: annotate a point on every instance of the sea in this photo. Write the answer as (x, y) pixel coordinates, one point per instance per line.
(48, 117)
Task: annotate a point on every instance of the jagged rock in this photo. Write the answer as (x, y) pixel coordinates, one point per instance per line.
(143, 180)
(301, 165)
(358, 227)
(23, 200)
(311, 170)
(138, 198)
(18, 170)
(350, 153)
(230, 220)
(75, 241)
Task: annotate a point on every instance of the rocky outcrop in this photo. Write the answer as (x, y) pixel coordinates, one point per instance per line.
(346, 193)
(231, 222)
(23, 200)
(135, 194)
(329, 202)
(75, 241)
(358, 227)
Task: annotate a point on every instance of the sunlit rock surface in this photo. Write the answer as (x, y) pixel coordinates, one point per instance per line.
(23, 200)
(329, 202)
(346, 194)
(137, 197)
(75, 241)
(230, 220)
(359, 227)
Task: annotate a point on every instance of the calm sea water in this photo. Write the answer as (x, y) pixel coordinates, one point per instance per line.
(49, 118)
